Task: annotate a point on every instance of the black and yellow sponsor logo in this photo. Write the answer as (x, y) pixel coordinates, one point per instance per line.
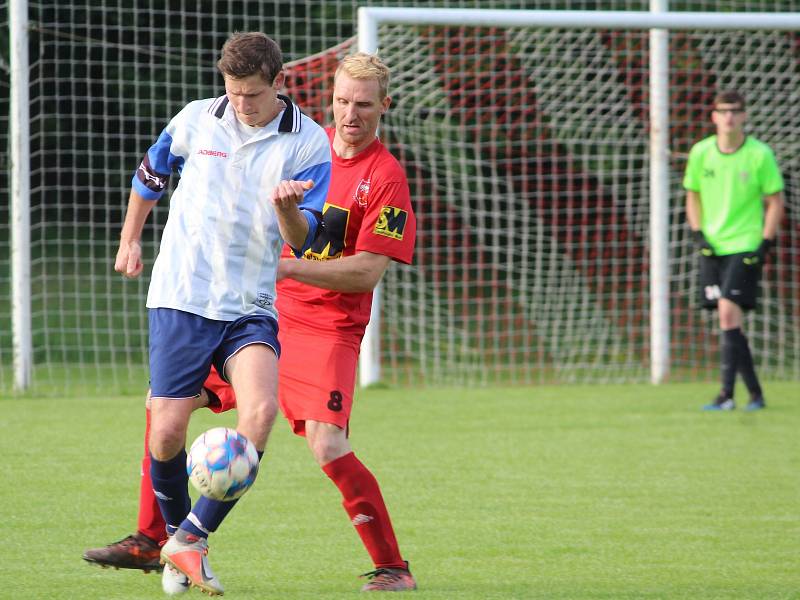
(330, 239)
(391, 222)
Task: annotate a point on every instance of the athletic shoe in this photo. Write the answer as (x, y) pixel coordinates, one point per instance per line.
(136, 551)
(721, 403)
(173, 582)
(389, 580)
(756, 404)
(191, 559)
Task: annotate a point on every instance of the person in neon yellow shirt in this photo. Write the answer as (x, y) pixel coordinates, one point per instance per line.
(734, 205)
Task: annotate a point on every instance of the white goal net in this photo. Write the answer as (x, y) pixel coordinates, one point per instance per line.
(527, 154)
(527, 148)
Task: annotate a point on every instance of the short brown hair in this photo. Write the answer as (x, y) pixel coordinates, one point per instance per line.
(365, 66)
(250, 53)
(729, 97)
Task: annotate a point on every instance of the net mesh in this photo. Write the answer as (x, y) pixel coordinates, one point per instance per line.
(528, 155)
(526, 151)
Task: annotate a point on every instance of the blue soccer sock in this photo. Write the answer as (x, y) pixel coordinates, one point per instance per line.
(207, 515)
(170, 484)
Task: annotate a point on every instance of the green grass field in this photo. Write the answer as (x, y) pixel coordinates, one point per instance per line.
(555, 492)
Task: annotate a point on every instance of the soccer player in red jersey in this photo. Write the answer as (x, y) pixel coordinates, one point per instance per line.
(324, 306)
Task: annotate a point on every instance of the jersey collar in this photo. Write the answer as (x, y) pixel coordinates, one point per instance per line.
(290, 121)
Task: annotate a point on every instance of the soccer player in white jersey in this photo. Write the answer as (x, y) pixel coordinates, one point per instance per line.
(254, 173)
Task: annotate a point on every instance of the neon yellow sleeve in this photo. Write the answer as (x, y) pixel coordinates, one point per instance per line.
(691, 178)
(770, 174)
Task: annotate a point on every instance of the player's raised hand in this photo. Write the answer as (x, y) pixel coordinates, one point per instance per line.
(289, 193)
(129, 259)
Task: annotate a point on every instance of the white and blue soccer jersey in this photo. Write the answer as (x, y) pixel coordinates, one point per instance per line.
(221, 244)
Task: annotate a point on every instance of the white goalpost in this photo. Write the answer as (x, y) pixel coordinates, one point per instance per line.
(658, 21)
(19, 151)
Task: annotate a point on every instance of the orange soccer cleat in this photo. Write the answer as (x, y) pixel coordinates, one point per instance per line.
(191, 559)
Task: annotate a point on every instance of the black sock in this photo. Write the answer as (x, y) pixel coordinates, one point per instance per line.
(745, 364)
(729, 361)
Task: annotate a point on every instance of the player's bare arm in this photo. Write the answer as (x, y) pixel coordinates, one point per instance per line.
(693, 210)
(773, 214)
(358, 273)
(129, 254)
(694, 215)
(291, 222)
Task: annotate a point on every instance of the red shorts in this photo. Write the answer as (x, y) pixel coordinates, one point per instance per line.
(316, 379)
(221, 397)
(316, 376)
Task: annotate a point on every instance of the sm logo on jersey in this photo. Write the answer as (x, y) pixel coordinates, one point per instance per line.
(391, 222)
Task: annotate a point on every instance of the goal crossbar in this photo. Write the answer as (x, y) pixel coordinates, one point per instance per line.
(368, 16)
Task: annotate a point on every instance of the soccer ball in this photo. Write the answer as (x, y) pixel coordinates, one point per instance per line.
(222, 464)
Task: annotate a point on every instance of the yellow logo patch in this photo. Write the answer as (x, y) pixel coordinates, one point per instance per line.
(391, 222)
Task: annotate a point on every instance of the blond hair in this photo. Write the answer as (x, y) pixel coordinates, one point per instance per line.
(365, 66)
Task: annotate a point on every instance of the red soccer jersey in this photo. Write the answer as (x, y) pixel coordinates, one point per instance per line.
(368, 209)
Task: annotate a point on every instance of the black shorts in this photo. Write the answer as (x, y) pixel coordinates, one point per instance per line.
(734, 277)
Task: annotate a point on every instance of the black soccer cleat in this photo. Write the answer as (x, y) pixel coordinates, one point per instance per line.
(387, 579)
(721, 402)
(756, 403)
(136, 551)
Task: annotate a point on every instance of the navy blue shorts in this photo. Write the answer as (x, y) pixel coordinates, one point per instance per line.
(183, 346)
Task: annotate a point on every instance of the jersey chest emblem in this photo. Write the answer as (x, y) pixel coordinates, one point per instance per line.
(391, 222)
(362, 191)
(744, 176)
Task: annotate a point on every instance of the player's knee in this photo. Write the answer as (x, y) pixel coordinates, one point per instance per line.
(729, 320)
(258, 420)
(730, 314)
(166, 442)
(326, 442)
(266, 411)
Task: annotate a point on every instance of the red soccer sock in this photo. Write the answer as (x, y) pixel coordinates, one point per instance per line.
(363, 502)
(151, 523)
